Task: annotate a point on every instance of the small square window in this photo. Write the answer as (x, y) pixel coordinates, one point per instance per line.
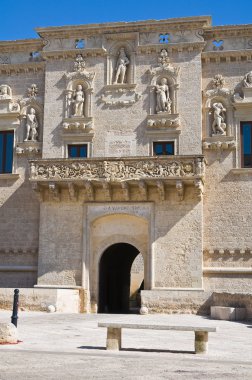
(77, 151)
(163, 148)
(6, 151)
(246, 144)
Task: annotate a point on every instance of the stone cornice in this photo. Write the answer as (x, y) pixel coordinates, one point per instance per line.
(176, 47)
(22, 67)
(226, 56)
(228, 31)
(118, 27)
(21, 45)
(71, 54)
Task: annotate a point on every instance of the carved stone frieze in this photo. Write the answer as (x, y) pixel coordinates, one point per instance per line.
(28, 148)
(29, 67)
(78, 124)
(163, 120)
(120, 95)
(220, 145)
(117, 170)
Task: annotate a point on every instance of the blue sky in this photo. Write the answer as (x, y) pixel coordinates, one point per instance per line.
(20, 18)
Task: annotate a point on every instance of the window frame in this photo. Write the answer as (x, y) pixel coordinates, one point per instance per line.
(4, 153)
(242, 123)
(78, 145)
(163, 142)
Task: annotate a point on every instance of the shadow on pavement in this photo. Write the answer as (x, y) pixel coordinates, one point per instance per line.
(137, 350)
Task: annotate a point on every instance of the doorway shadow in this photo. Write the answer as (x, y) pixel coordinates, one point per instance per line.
(114, 278)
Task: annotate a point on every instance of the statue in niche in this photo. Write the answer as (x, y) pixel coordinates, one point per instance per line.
(247, 81)
(31, 126)
(121, 67)
(78, 101)
(218, 126)
(5, 92)
(163, 100)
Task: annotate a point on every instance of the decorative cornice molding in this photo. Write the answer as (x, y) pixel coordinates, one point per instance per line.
(21, 45)
(228, 31)
(226, 56)
(120, 27)
(20, 68)
(171, 48)
(71, 54)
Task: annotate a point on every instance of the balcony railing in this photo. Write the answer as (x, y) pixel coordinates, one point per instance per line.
(107, 173)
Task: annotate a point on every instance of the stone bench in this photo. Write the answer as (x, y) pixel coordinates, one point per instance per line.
(114, 333)
(227, 313)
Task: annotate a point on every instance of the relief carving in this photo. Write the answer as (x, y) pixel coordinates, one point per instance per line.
(117, 170)
(247, 80)
(246, 90)
(7, 104)
(5, 92)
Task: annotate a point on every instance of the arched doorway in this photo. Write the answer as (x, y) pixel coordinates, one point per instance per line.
(114, 278)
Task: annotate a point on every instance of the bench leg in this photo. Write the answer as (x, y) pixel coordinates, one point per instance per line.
(201, 342)
(114, 338)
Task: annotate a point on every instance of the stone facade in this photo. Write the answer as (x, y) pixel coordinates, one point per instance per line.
(118, 90)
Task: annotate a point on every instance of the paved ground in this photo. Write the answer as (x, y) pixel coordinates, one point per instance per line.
(71, 346)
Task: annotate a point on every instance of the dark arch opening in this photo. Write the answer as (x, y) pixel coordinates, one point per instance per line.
(114, 278)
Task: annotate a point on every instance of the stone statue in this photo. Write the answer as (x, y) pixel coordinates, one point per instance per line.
(78, 101)
(121, 66)
(218, 126)
(163, 99)
(4, 92)
(31, 126)
(247, 81)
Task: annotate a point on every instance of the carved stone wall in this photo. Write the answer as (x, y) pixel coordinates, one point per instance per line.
(193, 203)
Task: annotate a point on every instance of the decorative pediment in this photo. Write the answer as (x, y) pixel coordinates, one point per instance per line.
(80, 73)
(164, 67)
(217, 90)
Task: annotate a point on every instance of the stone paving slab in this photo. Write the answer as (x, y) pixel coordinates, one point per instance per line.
(71, 346)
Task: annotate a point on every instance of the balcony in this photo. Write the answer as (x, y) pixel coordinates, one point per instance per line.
(116, 179)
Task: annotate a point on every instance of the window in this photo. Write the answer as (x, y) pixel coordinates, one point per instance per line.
(79, 44)
(6, 151)
(163, 148)
(77, 150)
(246, 144)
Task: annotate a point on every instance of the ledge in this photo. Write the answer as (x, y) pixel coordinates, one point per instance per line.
(10, 176)
(227, 270)
(18, 268)
(57, 287)
(241, 171)
(179, 289)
